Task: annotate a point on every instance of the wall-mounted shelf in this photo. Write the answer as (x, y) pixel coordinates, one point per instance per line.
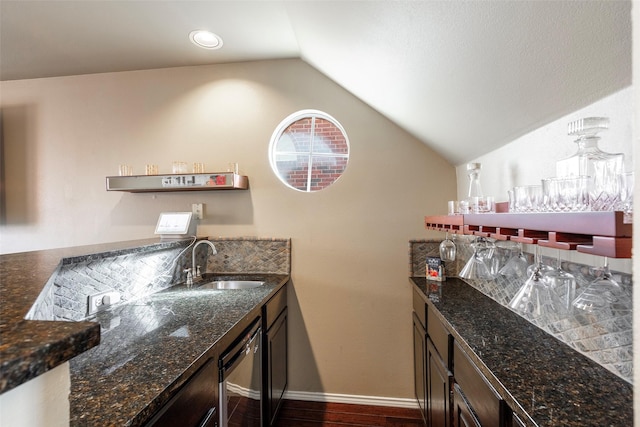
(178, 182)
(597, 233)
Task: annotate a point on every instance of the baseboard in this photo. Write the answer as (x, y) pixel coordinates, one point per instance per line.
(395, 402)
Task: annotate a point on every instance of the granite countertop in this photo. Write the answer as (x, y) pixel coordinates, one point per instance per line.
(152, 345)
(30, 348)
(147, 347)
(543, 380)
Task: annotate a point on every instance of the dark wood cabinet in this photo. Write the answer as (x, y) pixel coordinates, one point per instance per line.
(438, 376)
(517, 422)
(432, 377)
(420, 365)
(463, 415)
(195, 405)
(489, 409)
(275, 355)
(450, 389)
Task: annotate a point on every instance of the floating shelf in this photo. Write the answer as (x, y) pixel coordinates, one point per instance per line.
(597, 233)
(178, 182)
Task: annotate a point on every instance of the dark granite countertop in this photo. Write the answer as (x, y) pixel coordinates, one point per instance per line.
(127, 362)
(543, 380)
(30, 348)
(151, 346)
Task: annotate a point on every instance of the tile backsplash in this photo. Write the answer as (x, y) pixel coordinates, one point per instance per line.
(605, 336)
(149, 269)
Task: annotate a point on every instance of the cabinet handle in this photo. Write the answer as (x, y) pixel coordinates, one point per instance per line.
(207, 418)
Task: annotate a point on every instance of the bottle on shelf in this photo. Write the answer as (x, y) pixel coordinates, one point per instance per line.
(475, 202)
(603, 169)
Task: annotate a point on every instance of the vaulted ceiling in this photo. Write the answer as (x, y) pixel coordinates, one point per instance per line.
(464, 77)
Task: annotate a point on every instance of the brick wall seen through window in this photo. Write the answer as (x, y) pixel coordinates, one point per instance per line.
(309, 151)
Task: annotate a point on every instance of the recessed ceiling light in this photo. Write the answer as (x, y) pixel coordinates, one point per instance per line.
(205, 39)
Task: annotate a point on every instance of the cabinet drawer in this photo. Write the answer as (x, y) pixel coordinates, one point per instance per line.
(419, 307)
(195, 404)
(273, 308)
(439, 335)
(482, 397)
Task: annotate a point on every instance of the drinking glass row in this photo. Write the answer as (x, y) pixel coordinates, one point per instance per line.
(573, 194)
(547, 289)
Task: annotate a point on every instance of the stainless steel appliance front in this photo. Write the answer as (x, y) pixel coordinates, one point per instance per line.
(240, 380)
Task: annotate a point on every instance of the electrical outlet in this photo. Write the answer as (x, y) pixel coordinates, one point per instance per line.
(198, 210)
(101, 301)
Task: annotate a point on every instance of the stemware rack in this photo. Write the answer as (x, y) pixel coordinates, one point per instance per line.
(596, 233)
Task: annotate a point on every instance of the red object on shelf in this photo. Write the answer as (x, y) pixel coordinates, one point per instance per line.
(597, 233)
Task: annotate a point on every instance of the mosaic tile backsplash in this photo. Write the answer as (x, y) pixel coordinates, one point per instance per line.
(147, 270)
(604, 336)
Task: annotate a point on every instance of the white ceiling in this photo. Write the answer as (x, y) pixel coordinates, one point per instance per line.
(464, 77)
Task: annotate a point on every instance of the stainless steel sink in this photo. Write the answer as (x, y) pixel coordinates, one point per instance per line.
(232, 284)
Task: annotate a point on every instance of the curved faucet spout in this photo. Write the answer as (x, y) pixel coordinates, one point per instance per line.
(194, 269)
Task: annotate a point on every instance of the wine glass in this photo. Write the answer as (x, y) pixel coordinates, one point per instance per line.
(561, 282)
(516, 265)
(538, 264)
(447, 249)
(536, 299)
(602, 293)
(476, 267)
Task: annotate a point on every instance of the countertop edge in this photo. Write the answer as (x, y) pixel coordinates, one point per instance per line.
(29, 348)
(64, 341)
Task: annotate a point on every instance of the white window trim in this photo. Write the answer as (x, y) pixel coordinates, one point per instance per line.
(284, 124)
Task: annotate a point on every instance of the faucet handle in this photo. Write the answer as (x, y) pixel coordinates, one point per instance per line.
(189, 276)
(198, 274)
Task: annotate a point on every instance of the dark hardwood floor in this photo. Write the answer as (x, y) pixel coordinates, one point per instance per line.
(295, 413)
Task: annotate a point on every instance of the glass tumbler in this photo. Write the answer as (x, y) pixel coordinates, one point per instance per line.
(528, 198)
(179, 167)
(198, 167)
(550, 202)
(572, 194)
(125, 170)
(626, 196)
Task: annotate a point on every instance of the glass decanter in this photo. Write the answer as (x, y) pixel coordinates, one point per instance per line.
(475, 201)
(603, 169)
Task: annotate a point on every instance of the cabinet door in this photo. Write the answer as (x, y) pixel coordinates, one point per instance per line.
(276, 367)
(463, 416)
(420, 365)
(195, 404)
(517, 422)
(438, 391)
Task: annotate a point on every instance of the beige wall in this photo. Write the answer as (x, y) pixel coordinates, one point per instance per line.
(40, 402)
(350, 309)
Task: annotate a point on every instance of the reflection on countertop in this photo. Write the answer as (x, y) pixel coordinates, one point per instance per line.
(150, 346)
(31, 347)
(535, 373)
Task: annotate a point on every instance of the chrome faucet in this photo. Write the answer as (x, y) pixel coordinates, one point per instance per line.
(195, 269)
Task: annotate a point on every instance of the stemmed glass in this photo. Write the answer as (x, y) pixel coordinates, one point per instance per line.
(476, 267)
(602, 293)
(561, 282)
(535, 298)
(516, 265)
(447, 249)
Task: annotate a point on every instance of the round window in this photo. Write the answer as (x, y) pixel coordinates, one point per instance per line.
(309, 150)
